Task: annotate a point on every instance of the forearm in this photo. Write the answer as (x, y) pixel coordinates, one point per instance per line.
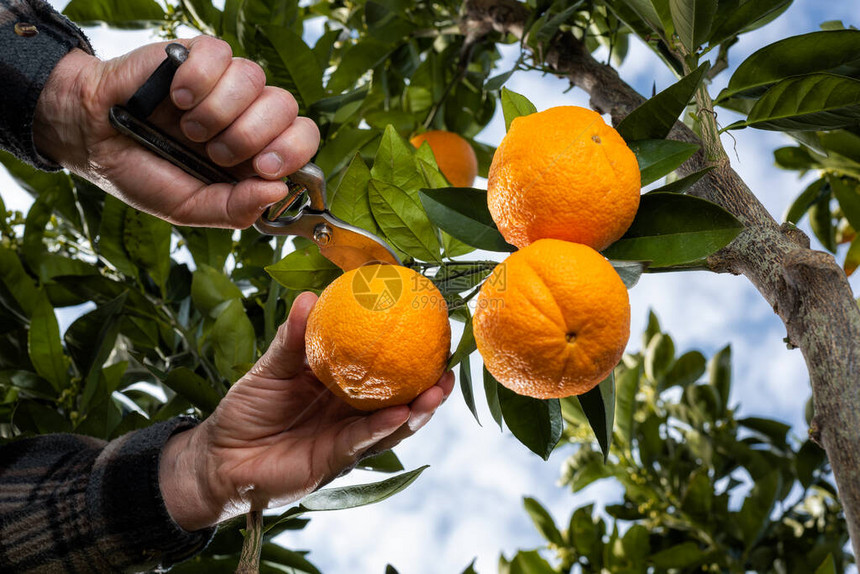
(33, 39)
(72, 503)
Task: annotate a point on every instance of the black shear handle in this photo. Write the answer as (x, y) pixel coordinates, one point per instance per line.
(131, 120)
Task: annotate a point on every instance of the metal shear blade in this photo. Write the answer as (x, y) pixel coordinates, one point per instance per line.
(343, 244)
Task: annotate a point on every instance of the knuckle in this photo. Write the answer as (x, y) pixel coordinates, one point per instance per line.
(251, 73)
(215, 47)
(282, 101)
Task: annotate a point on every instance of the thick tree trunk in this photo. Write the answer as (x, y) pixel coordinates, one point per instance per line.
(807, 289)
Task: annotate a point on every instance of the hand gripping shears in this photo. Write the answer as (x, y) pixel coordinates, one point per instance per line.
(343, 244)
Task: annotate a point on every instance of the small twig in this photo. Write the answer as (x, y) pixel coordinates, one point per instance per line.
(249, 560)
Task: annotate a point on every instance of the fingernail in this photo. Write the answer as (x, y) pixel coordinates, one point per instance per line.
(183, 98)
(220, 153)
(195, 131)
(416, 422)
(270, 164)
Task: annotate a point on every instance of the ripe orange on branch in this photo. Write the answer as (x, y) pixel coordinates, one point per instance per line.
(564, 174)
(454, 156)
(379, 336)
(552, 320)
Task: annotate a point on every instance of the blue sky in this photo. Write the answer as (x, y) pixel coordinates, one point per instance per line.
(469, 503)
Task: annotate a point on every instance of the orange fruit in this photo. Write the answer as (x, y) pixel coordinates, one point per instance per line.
(454, 156)
(379, 336)
(563, 174)
(552, 320)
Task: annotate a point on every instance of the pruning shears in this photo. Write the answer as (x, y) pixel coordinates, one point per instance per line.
(343, 244)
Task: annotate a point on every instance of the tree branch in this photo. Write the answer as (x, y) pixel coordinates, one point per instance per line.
(807, 289)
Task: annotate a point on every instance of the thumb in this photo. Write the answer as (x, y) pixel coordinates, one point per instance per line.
(285, 357)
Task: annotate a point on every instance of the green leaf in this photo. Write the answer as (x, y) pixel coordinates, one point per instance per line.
(536, 423)
(821, 222)
(658, 158)
(234, 341)
(843, 143)
(655, 118)
(21, 286)
(466, 386)
(754, 516)
(45, 346)
(193, 388)
(210, 288)
(643, 10)
(847, 193)
(350, 201)
(659, 357)
(463, 213)
(852, 257)
(543, 521)
(356, 61)
(810, 457)
(698, 495)
(394, 163)
(403, 221)
(629, 271)
(342, 146)
(672, 229)
(684, 555)
(304, 269)
(359, 494)
(720, 375)
(111, 243)
(814, 102)
(598, 404)
(692, 20)
(686, 370)
(636, 544)
(776, 431)
(465, 347)
(383, 462)
(127, 14)
(515, 105)
(298, 61)
(529, 562)
(795, 158)
(147, 241)
(583, 532)
(745, 17)
(208, 246)
(491, 392)
(828, 566)
(807, 198)
(626, 387)
(90, 341)
(835, 52)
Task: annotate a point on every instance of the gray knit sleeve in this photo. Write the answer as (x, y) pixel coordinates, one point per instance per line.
(71, 503)
(33, 38)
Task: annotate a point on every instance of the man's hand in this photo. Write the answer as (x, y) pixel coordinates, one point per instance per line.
(220, 104)
(278, 435)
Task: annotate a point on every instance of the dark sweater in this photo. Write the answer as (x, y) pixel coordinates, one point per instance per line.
(72, 503)
(33, 38)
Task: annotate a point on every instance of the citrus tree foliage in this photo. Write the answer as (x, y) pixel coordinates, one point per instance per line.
(188, 310)
(704, 490)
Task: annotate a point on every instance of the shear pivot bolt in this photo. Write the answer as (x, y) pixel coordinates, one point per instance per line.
(322, 234)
